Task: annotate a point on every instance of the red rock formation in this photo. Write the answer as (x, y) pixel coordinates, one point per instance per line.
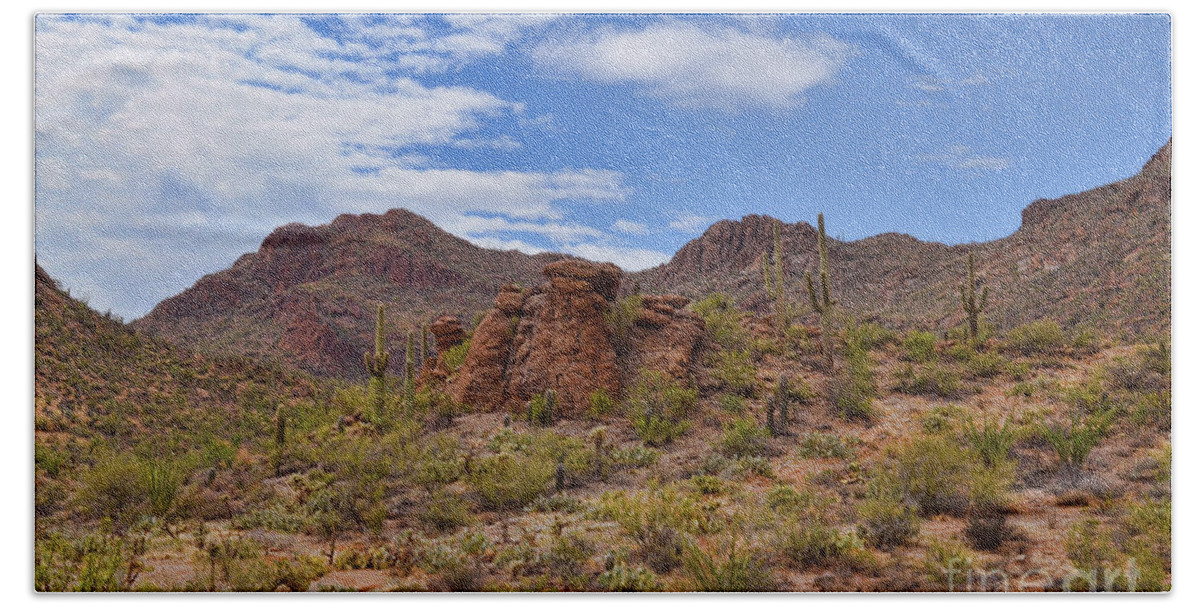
(556, 336)
(447, 333)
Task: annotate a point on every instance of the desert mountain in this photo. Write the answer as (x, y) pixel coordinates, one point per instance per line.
(306, 297)
(1099, 258)
(94, 375)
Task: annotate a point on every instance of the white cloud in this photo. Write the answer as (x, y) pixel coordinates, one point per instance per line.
(688, 222)
(628, 258)
(165, 150)
(631, 227)
(963, 157)
(719, 67)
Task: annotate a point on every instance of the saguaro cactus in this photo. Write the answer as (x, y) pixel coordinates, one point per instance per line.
(410, 370)
(376, 364)
(822, 301)
(973, 301)
(772, 270)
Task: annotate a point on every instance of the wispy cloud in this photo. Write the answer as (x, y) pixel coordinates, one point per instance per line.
(228, 126)
(631, 227)
(963, 157)
(693, 66)
(628, 258)
(688, 222)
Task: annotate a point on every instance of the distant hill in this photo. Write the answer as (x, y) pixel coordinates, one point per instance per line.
(1101, 258)
(306, 297)
(93, 375)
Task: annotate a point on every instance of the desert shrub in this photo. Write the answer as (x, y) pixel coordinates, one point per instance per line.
(634, 457)
(1085, 341)
(540, 410)
(555, 503)
(125, 487)
(919, 347)
(657, 520)
(1152, 410)
(804, 532)
(735, 371)
(1146, 537)
(730, 570)
(1144, 372)
(1095, 555)
(722, 321)
(823, 445)
(1036, 338)
(869, 335)
(444, 511)
(277, 516)
(456, 566)
(744, 438)
(455, 356)
(987, 531)
(510, 481)
(622, 577)
(732, 404)
(852, 391)
(708, 484)
(942, 476)
(621, 317)
(887, 518)
(438, 462)
(600, 405)
(659, 408)
(930, 379)
(89, 562)
(992, 440)
(1023, 389)
(948, 563)
(942, 419)
(986, 365)
(1073, 441)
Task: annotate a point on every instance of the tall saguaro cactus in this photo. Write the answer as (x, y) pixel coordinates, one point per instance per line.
(376, 364)
(973, 301)
(772, 269)
(822, 300)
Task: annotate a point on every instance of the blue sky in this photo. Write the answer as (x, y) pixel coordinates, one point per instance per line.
(166, 147)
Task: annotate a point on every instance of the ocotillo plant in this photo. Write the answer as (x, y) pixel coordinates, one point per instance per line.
(376, 364)
(973, 301)
(772, 270)
(822, 302)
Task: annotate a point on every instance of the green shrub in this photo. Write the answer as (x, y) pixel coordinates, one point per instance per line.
(1152, 410)
(455, 356)
(732, 404)
(444, 511)
(708, 484)
(1142, 373)
(852, 391)
(656, 519)
(728, 570)
(509, 481)
(1036, 338)
(823, 445)
(986, 365)
(600, 405)
(735, 371)
(747, 466)
(1023, 389)
(621, 317)
(942, 476)
(803, 530)
(1091, 549)
(919, 347)
(745, 438)
(991, 440)
(1073, 441)
(722, 321)
(949, 563)
(931, 379)
(887, 518)
(869, 336)
(942, 419)
(625, 578)
(659, 408)
(1085, 341)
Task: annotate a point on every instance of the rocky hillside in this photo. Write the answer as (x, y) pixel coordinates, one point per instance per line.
(94, 375)
(1099, 258)
(307, 296)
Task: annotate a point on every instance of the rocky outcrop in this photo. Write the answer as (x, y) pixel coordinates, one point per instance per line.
(557, 336)
(447, 333)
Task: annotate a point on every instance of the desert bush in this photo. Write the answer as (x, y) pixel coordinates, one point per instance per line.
(455, 356)
(869, 335)
(509, 481)
(622, 577)
(986, 532)
(930, 379)
(722, 321)
(852, 391)
(1023, 389)
(276, 516)
(657, 520)
(942, 476)
(1036, 338)
(823, 445)
(919, 347)
(708, 484)
(1085, 341)
(942, 419)
(992, 440)
(1146, 537)
(732, 404)
(600, 405)
(541, 409)
(744, 438)
(887, 518)
(948, 563)
(1095, 555)
(1144, 372)
(455, 566)
(1074, 440)
(730, 570)
(659, 408)
(88, 562)
(804, 532)
(621, 317)
(735, 371)
(125, 487)
(1152, 410)
(444, 511)
(986, 364)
